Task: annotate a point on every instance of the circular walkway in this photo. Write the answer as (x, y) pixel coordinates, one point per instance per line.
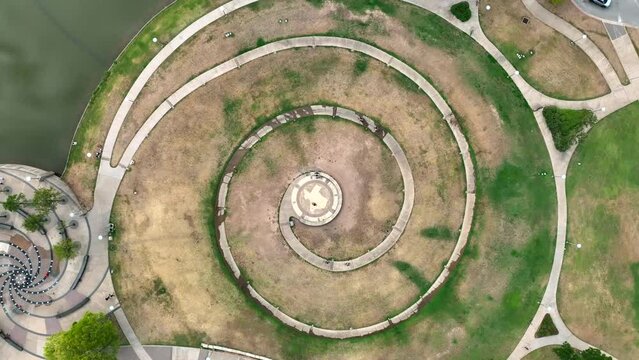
(322, 110)
(287, 209)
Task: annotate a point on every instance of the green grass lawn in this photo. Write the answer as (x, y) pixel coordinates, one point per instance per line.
(545, 353)
(602, 189)
(609, 151)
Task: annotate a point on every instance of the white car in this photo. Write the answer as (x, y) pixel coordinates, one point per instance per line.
(603, 3)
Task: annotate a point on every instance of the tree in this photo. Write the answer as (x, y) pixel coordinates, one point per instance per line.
(45, 200)
(94, 337)
(33, 222)
(66, 249)
(14, 202)
(594, 354)
(567, 352)
(461, 10)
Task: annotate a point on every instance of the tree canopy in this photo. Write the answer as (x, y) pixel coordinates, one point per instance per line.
(45, 200)
(94, 337)
(33, 222)
(567, 352)
(14, 202)
(66, 249)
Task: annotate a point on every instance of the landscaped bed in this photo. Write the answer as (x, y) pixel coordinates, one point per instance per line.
(567, 126)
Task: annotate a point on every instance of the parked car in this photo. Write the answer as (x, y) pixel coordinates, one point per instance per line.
(603, 3)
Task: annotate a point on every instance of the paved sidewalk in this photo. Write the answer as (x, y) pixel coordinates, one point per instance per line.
(286, 208)
(130, 335)
(165, 352)
(625, 50)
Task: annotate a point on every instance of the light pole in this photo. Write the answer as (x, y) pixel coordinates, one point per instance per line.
(578, 245)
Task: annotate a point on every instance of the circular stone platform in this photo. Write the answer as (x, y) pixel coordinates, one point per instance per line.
(315, 197)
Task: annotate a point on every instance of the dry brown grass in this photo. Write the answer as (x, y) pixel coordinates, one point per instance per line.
(596, 285)
(164, 235)
(368, 295)
(557, 68)
(327, 299)
(593, 28)
(209, 47)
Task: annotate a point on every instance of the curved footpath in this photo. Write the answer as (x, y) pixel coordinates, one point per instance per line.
(286, 207)
(319, 110)
(109, 177)
(579, 38)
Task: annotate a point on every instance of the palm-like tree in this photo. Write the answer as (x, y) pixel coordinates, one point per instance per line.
(45, 200)
(33, 222)
(14, 202)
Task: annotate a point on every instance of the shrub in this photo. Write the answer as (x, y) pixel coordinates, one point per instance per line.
(361, 65)
(567, 352)
(45, 200)
(66, 249)
(461, 10)
(546, 328)
(437, 232)
(567, 125)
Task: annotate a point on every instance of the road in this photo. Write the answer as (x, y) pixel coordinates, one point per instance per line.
(623, 12)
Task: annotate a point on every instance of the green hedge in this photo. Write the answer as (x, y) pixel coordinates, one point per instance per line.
(461, 10)
(567, 125)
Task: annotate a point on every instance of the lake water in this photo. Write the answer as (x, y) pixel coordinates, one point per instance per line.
(53, 54)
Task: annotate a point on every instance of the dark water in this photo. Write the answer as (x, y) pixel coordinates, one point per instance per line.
(53, 54)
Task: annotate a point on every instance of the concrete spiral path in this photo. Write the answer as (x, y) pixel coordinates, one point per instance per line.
(110, 175)
(319, 110)
(618, 98)
(286, 209)
(109, 178)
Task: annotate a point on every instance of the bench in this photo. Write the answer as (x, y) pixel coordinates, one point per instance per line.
(83, 268)
(6, 227)
(73, 309)
(11, 342)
